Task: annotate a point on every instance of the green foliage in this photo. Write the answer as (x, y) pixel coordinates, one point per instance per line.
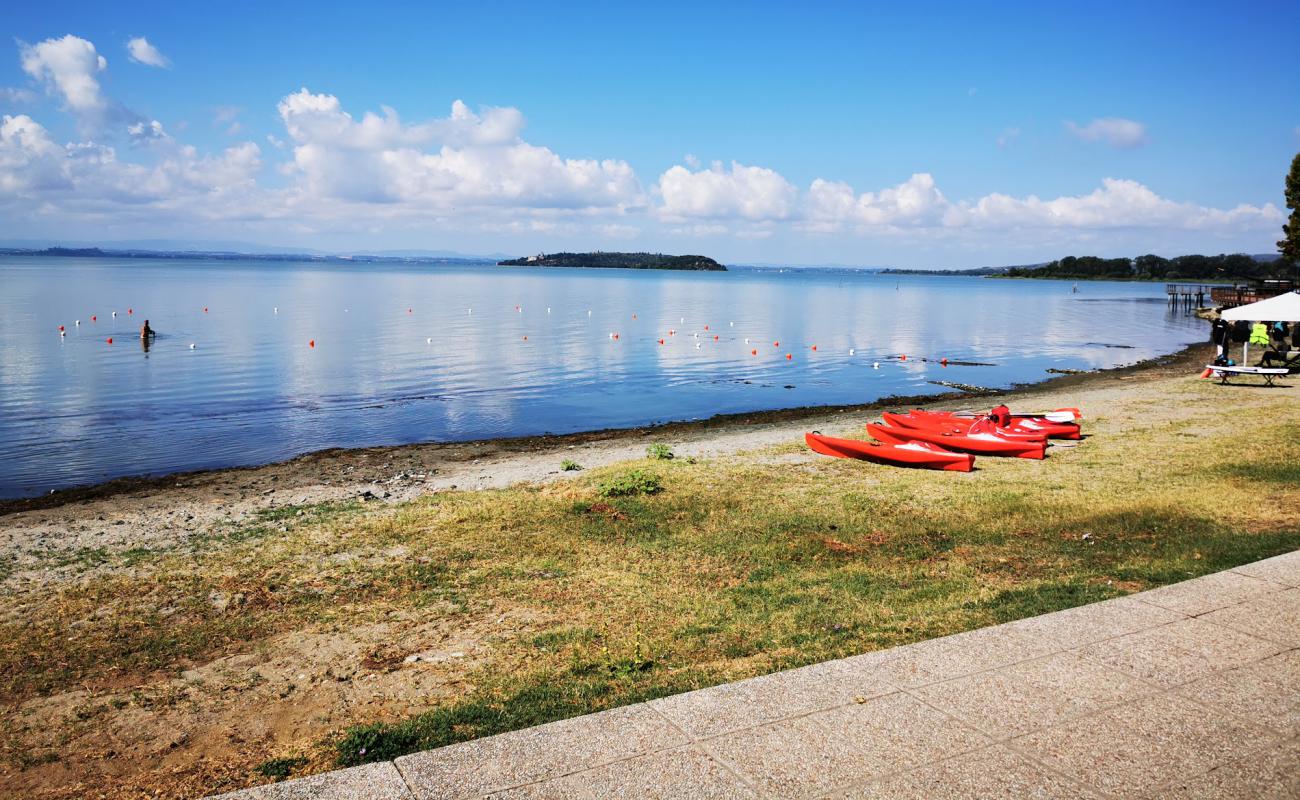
(632, 482)
(1234, 266)
(1289, 247)
(569, 465)
(617, 260)
(281, 768)
(662, 452)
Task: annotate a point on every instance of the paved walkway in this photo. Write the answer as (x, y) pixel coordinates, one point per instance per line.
(1190, 691)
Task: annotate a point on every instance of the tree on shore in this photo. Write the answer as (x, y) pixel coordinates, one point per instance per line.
(1289, 247)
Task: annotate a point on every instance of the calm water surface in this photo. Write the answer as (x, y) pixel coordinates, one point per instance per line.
(457, 365)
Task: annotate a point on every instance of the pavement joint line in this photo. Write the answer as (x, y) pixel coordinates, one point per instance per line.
(1159, 791)
(708, 751)
(1005, 738)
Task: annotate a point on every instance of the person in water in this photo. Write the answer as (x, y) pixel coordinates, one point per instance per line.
(146, 331)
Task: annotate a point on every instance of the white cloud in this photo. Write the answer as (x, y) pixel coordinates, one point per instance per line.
(89, 180)
(12, 95)
(916, 202)
(480, 160)
(743, 192)
(1114, 131)
(1008, 136)
(141, 52)
(69, 67)
(1116, 204)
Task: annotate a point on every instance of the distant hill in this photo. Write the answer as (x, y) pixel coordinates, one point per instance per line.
(221, 255)
(617, 261)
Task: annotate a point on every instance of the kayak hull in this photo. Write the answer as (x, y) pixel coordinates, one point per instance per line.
(918, 455)
(981, 444)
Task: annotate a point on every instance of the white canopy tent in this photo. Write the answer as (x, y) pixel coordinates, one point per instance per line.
(1283, 308)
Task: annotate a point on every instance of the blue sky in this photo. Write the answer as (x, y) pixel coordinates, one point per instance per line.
(937, 135)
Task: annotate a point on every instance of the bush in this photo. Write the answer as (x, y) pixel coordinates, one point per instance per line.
(281, 768)
(569, 465)
(631, 483)
(661, 452)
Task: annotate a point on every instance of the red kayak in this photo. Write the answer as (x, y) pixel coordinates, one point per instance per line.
(922, 420)
(983, 443)
(905, 454)
(1020, 423)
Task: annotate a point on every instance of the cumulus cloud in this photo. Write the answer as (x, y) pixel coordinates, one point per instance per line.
(89, 179)
(741, 192)
(1116, 204)
(465, 159)
(1008, 136)
(916, 202)
(69, 68)
(1124, 134)
(141, 52)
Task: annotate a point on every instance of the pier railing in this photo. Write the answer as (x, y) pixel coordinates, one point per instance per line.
(1233, 296)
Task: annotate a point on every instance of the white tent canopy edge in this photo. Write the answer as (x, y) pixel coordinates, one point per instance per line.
(1283, 308)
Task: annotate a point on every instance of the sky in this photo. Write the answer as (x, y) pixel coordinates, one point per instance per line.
(918, 135)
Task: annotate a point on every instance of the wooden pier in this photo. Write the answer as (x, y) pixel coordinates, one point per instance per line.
(1233, 296)
(1188, 296)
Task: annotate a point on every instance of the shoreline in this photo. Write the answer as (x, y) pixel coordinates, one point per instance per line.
(341, 458)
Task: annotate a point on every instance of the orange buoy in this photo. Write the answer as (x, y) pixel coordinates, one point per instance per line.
(110, 340)
(943, 361)
(814, 348)
(706, 327)
(60, 327)
(408, 311)
(903, 357)
(93, 318)
(788, 357)
(130, 311)
(311, 343)
(776, 344)
(753, 352)
(715, 338)
(661, 341)
(525, 338)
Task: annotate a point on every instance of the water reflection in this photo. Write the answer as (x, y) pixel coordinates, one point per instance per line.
(399, 357)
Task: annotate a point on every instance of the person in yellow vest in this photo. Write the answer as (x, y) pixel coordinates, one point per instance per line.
(1259, 334)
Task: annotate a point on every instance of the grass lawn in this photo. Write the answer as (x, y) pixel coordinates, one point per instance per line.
(731, 568)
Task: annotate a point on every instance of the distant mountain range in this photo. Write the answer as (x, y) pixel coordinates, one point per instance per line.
(179, 248)
(384, 257)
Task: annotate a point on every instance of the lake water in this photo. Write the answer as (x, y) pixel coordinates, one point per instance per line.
(431, 353)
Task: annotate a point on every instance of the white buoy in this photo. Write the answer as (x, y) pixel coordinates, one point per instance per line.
(875, 365)
(471, 311)
(697, 336)
(732, 324)
(276, 309)
(697, 345)
(78, 323)
(746, 340)
(589, 312)
(429, 340)
(191, 345)
(683, 319)
(851, 351)
(115, 313)
(548, 309)
(63, 333)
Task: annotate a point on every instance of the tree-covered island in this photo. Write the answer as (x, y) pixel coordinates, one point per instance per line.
(617, 261)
